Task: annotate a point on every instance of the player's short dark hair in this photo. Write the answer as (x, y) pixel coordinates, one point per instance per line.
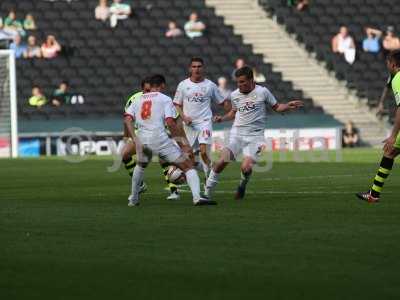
(244, 71)
(394, 57)
(146, 80)
(157, 80)
(197, 59)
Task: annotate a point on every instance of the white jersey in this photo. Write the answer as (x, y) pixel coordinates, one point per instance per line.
(251, 110)
(150, 112)
(195, 98)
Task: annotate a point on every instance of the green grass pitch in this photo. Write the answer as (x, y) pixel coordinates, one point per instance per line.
(66, 233)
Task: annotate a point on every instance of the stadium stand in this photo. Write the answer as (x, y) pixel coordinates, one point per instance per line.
(316, 26)
(106, 64)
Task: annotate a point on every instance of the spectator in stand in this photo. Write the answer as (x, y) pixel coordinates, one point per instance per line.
(258, 77)
(29, 22)
(119, 11)
(173, 30)
(194, 28)
(239, 63)
(50, 48)
(102, 11)
(300, 4)
(61, 95)
(343, 44)
(223, 87)
(350, 135)
(6, 36)
(391, 42)
(372, 42)
(33, 50)
(18, 47)
(13, 25)
(37, 99)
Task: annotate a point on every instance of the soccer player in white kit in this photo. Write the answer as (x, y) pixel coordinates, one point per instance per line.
(193, 101)
(249, 111)
(150, 113)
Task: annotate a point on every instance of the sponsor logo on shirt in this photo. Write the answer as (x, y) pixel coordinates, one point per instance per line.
(248, 106)
(197, 98)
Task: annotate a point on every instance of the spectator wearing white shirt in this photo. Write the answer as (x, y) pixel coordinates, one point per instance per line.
(343, 43)
(119, 11)
(194, 28)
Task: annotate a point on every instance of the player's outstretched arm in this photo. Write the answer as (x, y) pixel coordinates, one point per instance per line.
(227, 117)
(291, 105)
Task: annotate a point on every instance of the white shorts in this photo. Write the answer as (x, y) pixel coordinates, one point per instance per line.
(168, 150)
(199, 134)
(249, 146)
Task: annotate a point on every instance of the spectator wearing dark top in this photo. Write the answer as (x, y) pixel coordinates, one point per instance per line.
(350, 135)
(372, 42)
(61, 95)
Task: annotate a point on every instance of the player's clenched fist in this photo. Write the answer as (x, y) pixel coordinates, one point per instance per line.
(295, 104)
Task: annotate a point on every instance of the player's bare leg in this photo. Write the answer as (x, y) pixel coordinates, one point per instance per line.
(246, 169)
(205, 159)
(193, 180)
(219, 166)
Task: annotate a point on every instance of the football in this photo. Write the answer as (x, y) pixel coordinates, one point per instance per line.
(176, 175)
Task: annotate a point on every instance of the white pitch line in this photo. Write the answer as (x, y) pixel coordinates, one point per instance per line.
(295, 178)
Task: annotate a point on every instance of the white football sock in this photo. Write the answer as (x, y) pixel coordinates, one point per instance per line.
(193, 181)
(137, 179)
(212, 181)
